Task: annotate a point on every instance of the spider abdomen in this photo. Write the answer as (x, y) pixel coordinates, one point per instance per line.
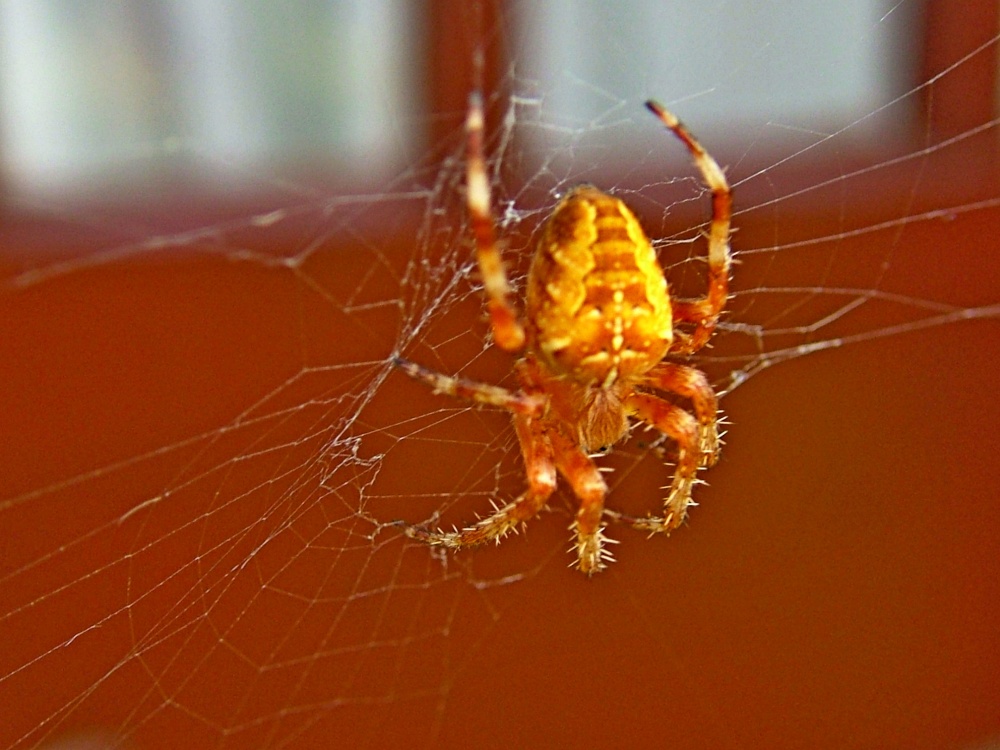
(597, 302)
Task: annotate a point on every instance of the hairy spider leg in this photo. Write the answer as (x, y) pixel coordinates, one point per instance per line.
(704, 312)
(516, 402)
(589, 487)
(540, 467)
(683, 428)
(508, 333)
(693, 385)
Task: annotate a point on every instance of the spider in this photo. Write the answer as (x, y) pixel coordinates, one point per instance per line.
(598, 322)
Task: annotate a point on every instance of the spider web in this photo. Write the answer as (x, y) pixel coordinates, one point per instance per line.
(207, 447)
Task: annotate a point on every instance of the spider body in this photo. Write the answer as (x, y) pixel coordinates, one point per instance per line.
(599, 321)
(597, 314)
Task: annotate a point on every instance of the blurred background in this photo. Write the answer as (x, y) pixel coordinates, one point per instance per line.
(218, 220)
(94, 90)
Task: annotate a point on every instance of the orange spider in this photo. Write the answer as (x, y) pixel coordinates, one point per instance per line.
(598, 323)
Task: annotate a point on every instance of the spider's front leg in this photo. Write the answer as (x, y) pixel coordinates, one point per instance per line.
(538, 461)
(508, 333)
(704, 312)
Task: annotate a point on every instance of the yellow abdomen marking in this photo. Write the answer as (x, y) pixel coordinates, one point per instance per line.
(598, 307)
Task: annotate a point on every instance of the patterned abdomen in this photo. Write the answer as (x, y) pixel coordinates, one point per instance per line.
(597, 302)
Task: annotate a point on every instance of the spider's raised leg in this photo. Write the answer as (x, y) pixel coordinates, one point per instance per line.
(683, 428)
(692, 384)
(538, 461)
(590, 489)
(704, 312)
(508, 333)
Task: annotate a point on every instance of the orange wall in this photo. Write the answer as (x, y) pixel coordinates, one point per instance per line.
(837, 587)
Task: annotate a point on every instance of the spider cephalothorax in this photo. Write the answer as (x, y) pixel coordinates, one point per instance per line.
(598, 323)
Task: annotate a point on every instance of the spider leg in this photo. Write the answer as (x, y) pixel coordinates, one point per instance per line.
(683, 428)
(692, 384)
(508, 332)
(517, 402)
(538, 460)
(590, 489)
(704, 312)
